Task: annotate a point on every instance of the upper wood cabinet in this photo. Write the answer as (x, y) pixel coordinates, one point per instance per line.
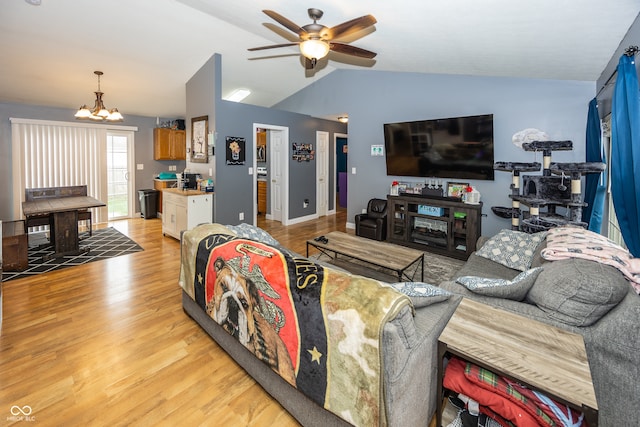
(169, 144)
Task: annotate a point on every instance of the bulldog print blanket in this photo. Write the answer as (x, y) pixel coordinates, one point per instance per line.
(319, 329)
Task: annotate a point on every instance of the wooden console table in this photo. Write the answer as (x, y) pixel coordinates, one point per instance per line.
(546, 358)
(436, 224)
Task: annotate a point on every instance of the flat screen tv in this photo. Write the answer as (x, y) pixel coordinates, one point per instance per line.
(457, 147)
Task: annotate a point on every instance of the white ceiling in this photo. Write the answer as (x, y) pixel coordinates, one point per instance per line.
(148, 49)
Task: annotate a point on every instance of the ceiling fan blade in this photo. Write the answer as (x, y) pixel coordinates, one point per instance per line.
(350, 27)
(351, 50)
(285, 22)
(273, 46)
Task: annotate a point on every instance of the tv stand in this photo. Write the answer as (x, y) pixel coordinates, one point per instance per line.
(435, 224)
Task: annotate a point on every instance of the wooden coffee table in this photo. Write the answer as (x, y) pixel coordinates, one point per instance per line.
(545, 358)
(347, 247)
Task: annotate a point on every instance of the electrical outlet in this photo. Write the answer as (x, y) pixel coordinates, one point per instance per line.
(364, 211)
(140, 166)
(241, 216)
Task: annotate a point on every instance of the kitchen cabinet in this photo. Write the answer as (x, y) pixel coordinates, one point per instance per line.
(184, 209)
(169, 144)
(160, 184)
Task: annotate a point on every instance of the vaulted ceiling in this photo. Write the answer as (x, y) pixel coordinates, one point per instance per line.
(148, 49)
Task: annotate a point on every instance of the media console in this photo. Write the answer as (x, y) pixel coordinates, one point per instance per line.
(440, 225)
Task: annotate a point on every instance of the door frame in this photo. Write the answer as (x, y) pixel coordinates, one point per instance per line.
(284, 130)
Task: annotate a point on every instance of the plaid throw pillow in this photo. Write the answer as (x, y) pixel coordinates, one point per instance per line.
(513, 249)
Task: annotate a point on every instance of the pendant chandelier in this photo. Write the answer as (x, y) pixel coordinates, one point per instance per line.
(99, 112)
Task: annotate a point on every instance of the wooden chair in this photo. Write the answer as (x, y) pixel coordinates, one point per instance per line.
(86, 216)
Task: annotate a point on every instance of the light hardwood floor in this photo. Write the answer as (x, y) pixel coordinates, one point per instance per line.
(107, 343)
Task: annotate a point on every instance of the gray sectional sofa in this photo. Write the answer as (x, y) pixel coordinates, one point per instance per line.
(584, 297)
(599, 304)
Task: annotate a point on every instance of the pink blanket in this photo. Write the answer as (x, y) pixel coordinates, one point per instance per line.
(573, 242)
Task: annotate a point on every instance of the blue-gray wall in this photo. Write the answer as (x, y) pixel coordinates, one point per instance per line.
(372, 98)
(233, 184)
(143, 148)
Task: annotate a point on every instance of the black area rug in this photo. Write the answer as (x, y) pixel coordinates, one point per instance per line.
(105, 243)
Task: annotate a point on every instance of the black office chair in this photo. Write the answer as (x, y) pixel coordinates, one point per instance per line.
(373, 224)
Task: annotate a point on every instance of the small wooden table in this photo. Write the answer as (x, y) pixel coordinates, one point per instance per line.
(65, 219)
(546, 358)
(380, 254)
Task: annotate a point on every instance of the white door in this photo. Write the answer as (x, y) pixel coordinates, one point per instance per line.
(276, 145)
(322, 172)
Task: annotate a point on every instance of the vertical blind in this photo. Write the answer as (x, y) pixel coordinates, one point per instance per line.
(52, 154)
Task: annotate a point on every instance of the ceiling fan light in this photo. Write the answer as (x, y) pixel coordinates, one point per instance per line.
(343, 119)
(314, 49)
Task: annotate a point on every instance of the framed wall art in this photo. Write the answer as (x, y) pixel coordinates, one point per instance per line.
(199, 131)
(235, 148)
(456, 189)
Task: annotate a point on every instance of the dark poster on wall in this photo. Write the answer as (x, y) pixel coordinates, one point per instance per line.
(302, 152)
(235, 148)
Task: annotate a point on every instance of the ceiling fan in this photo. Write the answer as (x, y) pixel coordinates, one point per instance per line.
(316, 40)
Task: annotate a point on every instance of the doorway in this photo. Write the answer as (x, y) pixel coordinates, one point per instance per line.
(277, 173)
(120, 186)
(341, 176)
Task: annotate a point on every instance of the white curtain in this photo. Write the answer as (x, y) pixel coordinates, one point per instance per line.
(52, 154)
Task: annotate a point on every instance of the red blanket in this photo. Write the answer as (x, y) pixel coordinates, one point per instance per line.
(510, 400)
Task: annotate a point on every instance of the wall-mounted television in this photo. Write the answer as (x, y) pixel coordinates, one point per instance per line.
(457, 147)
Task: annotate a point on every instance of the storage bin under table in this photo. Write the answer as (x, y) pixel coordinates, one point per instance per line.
(14, 246)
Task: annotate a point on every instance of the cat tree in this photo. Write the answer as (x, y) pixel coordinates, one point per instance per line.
(546, 191)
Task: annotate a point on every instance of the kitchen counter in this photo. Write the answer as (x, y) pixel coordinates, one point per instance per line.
(184, 192)
(160, 184)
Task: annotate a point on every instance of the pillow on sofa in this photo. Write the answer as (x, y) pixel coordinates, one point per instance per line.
(515, 289)
(578, 292)
(422, 294)
(248, 231)
(513, 249)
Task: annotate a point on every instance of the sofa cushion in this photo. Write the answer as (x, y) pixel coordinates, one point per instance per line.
(578, 292)
(515, 289)
(484, 267)
(511, 248)
(248, 231)
(422, 294)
